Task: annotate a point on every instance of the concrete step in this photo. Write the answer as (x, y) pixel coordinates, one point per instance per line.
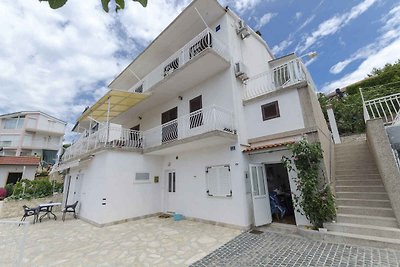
(362, 240)
(362, 195)
(362, 177)
(368, 230)
(363, 188)
(363, 202)
(370, 211)
(353, 143)
(356, 171)
(356, 156)
(367, 220)
(355, 165)
(349, 182)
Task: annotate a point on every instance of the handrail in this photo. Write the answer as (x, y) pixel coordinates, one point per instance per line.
(203, 41)
(284, 75)
(385, 107)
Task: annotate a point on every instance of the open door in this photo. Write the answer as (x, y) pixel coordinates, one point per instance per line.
(261, 207)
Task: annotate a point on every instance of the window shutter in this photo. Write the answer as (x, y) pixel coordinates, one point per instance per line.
(218, 179)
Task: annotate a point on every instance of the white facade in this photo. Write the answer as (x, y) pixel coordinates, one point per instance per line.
(31, 133)
(27, 171)
(194, 152)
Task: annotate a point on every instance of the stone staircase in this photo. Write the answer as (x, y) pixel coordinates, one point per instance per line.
(364, 212)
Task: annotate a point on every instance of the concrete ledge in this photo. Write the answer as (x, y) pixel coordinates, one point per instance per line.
(293, 133)
(232, 226)
(119, 221)
(379, 144)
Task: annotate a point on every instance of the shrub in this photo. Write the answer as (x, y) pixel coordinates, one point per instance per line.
(27, 189)
(3, 193)
(10, 189)
(316, 199)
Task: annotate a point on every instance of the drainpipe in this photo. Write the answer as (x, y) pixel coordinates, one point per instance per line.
(332, 123)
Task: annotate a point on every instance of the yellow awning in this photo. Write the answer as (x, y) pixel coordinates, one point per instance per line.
(120, 101)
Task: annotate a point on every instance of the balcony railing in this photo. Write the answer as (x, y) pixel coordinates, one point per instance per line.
(104, 137)
(201, 121)
(386, 107)
(205, 40)
(287, 74)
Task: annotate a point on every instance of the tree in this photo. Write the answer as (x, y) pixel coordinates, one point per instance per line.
(119, 4)
(349, 110)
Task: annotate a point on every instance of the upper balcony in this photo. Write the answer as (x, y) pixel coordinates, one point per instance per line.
(45, 126)
(285, 74)
(205, 127)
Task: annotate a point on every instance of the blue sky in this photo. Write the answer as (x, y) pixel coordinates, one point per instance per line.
(61, 61)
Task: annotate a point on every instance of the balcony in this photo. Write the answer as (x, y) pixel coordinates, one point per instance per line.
(107, 137)
(205, 127)
(287, 74)
(199, 59)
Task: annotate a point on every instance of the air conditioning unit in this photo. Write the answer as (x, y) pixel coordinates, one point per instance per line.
(240, 71)
(243, 31)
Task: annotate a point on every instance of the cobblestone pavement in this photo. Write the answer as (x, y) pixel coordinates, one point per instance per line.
(147, 242)
(275, 249)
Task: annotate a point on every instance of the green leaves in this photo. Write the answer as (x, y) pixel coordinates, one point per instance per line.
(119, 4)
(54, 4)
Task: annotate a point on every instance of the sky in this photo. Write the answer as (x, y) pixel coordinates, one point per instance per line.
(60, 61)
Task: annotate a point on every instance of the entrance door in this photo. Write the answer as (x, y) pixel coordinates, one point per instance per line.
(261, 207)
(77, 187)
(170, 191)
(169, 125)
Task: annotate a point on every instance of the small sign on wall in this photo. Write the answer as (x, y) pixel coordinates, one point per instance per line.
(156, 179)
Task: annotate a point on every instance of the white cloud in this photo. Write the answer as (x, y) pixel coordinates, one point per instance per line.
(282, 46)
(389, 33)
(59, 61)
(334, 24)
(264, 20)
(243, 5)
(298, 15)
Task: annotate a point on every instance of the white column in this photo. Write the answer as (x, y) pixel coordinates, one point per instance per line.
(332, 123)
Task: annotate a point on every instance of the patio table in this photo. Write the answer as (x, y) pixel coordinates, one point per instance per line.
(47, 208)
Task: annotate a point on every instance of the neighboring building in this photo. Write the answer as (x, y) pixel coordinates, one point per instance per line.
(13, 169)
(200, 122)
(31, 133)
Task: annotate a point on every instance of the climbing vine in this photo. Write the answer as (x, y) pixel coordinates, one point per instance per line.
(316, 200)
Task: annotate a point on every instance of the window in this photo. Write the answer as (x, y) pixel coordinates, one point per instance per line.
(270, 110)
(218, 180)
(14, 123)
(142, 177)
(196, 114)
(171, 182)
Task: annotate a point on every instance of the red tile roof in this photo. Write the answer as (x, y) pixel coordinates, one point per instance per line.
(10, 160)
(267, 146)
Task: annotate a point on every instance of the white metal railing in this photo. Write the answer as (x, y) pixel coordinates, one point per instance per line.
(13, 236)
(386, 107)
(203, 41)
(198, 122)
(284, 75)
(104, 137)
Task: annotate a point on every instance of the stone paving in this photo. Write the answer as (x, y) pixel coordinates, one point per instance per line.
(275, 249)
(147, 242)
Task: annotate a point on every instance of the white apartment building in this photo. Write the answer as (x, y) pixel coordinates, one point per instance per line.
(197, 124)
(31, 133)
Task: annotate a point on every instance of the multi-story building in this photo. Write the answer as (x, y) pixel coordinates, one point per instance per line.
(197, 124)
(31, 133)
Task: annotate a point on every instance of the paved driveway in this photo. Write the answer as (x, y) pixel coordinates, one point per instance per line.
(274, 249)
(147, 242)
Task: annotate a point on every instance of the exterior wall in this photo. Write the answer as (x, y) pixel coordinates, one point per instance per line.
(276, 157)
(379, 145)
(28, 173)
(290, 115)
(110, 175)
(191, 198)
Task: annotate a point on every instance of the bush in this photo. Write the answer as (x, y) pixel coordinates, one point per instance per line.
(316, 199)
(10, 189)
(3, 193)
(27, 189)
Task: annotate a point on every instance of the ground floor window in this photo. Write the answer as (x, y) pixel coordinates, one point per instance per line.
(171, 182)
(14, 177)
(218, 181)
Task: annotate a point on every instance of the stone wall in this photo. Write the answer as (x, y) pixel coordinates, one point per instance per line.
(13, 208)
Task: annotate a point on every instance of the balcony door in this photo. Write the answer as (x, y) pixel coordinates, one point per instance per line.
(169, 123)
(196, 112)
